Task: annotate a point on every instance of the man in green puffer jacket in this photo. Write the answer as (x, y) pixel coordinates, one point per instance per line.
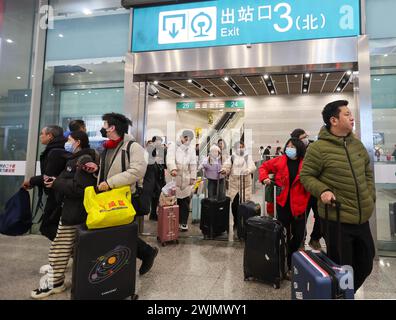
(337, 167)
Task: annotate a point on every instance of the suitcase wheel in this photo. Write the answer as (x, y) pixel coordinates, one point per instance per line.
(134, 297)
(163, 244)
(276, 285)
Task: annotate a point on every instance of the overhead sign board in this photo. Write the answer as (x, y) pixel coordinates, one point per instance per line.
(235, 22)
(230, 104)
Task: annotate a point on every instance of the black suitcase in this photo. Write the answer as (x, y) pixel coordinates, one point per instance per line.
(392, 218)
(215, 216)
(104, 263)
(265, 250)
(246, 210)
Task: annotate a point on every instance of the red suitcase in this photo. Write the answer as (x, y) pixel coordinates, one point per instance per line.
(168, 224)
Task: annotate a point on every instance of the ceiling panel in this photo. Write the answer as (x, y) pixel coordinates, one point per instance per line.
(294, 78)
(248, 89)
(261, 89)
(227, 90)
(329, 86)
(204, 82)
(335, 76)
(349, 87)
(281, 88)
(279, 78)
(294, 88)
(318, 76)
(218, 82)
(315, 87)
(255, 79)
(217, 92)
(240, 80)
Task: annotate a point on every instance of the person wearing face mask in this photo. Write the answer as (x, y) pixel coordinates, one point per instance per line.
(316, 233)
(239, 166)
(182, 164)
(212, 165)
(69, 188)
(154, 179)
(52, 162)
(292, 201)
(116, 171)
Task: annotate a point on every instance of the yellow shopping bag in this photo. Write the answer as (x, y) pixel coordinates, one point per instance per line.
(108, 209)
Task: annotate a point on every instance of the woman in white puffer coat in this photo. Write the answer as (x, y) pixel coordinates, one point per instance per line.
(239, 167)
(182, 165)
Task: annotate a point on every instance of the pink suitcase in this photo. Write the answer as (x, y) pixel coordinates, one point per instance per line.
(168, 224)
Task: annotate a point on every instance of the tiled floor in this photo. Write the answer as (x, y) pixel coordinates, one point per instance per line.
(194, 269)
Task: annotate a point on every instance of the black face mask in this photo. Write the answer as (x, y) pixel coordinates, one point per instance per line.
(103, 131)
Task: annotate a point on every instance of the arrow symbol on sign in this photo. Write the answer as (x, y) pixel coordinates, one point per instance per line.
(174, 32)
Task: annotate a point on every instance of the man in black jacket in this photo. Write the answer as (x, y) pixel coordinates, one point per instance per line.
(52, 162)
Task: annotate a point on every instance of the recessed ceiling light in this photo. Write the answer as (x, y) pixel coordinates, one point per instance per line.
(89, 92)
(349, 72)
(385, 55)
(189, 80)
(60, 35)
(155, 82)
(26, 95)
(87, 12)
(32, 75)
(240, 93)
(72, 74)
(272, 92)
(183, 95)
(296, 76)
(19, 78)
(338, 89)
(305, 90)
(266, 76)
(75, 93)
(226, 78)
(90, 72)
(307, 75)
(211, 94)
(9, 41)
(52, 94)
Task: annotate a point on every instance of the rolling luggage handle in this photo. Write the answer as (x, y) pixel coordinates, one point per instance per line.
(264, 201)
(338, 212)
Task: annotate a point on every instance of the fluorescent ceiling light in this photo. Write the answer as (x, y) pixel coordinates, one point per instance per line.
(189, 81)
(60, 35)
(266, 76)
(307, 75)
(226, 78)
(156, 82)
(10, 41)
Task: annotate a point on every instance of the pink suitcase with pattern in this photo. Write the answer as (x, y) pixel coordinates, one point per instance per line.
(168, 224)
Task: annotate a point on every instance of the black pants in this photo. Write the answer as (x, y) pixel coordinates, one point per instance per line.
(356, 249)
(184, 209)
(295, 228)
(154, 205)
(234, 209)
(143, 249)
(51, 216)
(154, 180)
(212, 188)
(316, 233)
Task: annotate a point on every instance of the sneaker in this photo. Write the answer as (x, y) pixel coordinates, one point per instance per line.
(45, 269)
(184, 228)
(315, 244)
(148, 262)
(44, 292)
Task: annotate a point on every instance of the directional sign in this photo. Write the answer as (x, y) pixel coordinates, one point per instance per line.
(233, 22)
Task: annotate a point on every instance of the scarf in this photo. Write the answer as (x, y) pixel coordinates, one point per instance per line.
(111, 144)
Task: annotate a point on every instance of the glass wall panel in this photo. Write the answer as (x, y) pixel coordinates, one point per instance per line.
(17, 19)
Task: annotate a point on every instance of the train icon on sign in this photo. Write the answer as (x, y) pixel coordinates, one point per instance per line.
(187, 25)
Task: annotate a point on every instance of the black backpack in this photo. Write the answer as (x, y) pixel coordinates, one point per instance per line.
(17, 218)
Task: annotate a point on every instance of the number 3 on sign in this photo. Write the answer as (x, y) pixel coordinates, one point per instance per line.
(286, 16)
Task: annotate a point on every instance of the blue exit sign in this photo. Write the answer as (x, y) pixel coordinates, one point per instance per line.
(234, 22)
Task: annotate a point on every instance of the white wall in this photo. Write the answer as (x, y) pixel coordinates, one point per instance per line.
(271, 119)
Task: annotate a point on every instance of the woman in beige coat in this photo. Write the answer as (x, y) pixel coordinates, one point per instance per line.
(239, 167)
(182, 164)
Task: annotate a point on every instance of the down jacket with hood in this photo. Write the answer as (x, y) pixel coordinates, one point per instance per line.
(340, 165)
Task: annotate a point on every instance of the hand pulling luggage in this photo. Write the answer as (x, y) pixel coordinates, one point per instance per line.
(215, 215)
(168, 224)
(315, 276)
(246, 210)
(104, 263)
(265, 250)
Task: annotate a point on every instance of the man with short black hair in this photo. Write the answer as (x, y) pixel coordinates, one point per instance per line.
(111, 174)
(52, 162)
(337, 168)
